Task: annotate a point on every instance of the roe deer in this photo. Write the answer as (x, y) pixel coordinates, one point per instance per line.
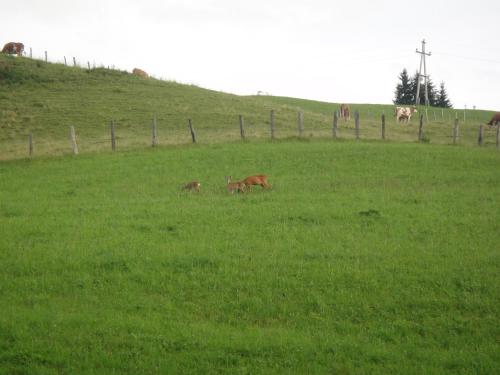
(257, 180)
(193, 185)
(235, 186)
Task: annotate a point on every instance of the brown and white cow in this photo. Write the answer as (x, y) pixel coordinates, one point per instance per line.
(494, 120)
(345, 113)
(140, 73)
(13, 48)
(404, 113)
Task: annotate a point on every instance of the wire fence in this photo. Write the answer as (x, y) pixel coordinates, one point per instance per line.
(66, 60)
(216, 121)
(275, 126)
(74, 61)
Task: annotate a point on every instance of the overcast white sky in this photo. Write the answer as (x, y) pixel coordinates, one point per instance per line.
(337, 51)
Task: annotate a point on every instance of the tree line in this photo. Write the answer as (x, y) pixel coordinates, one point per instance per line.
(406, 91)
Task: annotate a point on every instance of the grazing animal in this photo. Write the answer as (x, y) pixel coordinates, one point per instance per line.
(238, 186)
(140, 73)
(345, 113)
(256, 180)
(192, 186)
(404, 113)
(403, 117)
(494, 120)
(13, 48)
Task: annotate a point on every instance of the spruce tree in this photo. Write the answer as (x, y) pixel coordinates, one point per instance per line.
(403, 93)
(442, 99)
(431, 90)
(406, 91)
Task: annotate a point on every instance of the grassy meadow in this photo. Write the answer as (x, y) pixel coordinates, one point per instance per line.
(45, 99)
(364, 258)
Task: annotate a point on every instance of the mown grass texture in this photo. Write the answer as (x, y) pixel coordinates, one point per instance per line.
(364, 257)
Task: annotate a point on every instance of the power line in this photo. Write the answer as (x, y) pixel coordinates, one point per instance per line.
(468, 57)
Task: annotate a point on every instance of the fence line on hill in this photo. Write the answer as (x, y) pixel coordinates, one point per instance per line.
(335, 128)
(273, 133)
(76, 62)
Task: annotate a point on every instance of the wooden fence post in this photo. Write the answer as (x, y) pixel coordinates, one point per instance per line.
(30, 141)
(383, 125)
(72, 136)
(45, 56)
(356, 123)
(113, 139)
(31, 53)
(498, 135)
(335, 123)
(88, 64)
(65, 64)
(242, 127)
(272, 123)
(300, 123)
(154, 133)
(74, 61)
(191, 129)
(455, 131)
(421, 129)
(480, 137)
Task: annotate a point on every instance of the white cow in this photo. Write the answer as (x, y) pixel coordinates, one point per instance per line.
(404, 113)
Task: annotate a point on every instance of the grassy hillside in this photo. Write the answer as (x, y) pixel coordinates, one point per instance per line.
(45, 99)
(364, 258)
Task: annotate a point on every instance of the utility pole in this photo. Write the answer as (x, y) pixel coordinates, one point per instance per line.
(422, 61)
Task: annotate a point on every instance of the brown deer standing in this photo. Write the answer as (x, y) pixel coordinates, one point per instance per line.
(257, 180)
(192, 186)
(234, 186)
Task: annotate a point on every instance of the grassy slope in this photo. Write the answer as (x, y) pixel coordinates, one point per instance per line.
(45, 99)
(363, 258)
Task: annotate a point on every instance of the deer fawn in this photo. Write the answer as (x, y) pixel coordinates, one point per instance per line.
(234, 186)
(257, 180)
(192, 186)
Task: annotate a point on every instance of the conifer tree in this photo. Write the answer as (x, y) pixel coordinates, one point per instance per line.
(442, 99)
(431, 90)
(403, 93)
(406, 91)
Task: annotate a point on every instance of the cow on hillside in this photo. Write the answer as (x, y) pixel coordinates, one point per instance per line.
(404, 113)
(13, 48)
(494, 120)
(345, 112)
(140, 73)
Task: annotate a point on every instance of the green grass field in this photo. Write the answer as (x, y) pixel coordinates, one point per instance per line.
(46, 99)
(364, 258)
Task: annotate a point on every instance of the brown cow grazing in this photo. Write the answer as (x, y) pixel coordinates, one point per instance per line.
(345, 113)
(494, 120)
(13, 48)
(140, 73)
